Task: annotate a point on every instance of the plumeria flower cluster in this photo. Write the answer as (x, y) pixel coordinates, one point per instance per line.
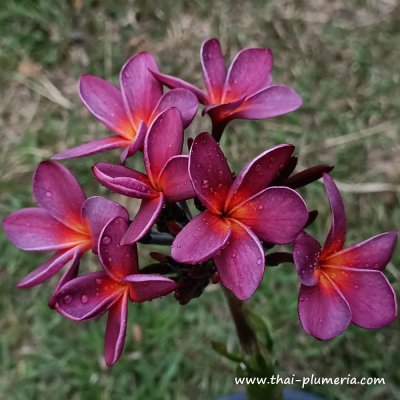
(239, 217)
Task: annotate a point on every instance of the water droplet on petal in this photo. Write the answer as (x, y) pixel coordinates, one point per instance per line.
(84, 299)
(259, 261)
(106, 240)
(67, 299)
(49, 194)
(99, 281)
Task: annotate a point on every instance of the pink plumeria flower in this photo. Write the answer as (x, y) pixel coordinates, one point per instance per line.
(245, 91)
(91, 295)
(240, 213)
(130, 111)
(340, 285)
(167, 176)
(66, 222)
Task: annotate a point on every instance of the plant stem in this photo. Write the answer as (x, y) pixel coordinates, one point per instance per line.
(247, 336)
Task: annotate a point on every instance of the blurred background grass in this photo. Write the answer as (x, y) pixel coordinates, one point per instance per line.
(342, 56)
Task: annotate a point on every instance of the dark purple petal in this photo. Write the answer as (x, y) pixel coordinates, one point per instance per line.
(337, 234)
(285, 172)
(144, 287)
(307, 176)
(117, 261)
(124, 180)
(323, 311)
(174, 180)
(98, 211)
(184, 100)
(71, 272)
(201, 239)
(306, 252)
(374, 253)
(175, 83)
(209, 172)
(34, 229)
(276, 215)
(214, 69)
(116, 330)
(144, 219)
(58, 192)
(50, 268)
(163, 141)
(369, 294)
(258, 174)
(88, 296)
(241, 263)
(136, 145)
(104, 101)
(140, 90)
(249, 72)
(269, 103)
(219, 112)
(94, 147)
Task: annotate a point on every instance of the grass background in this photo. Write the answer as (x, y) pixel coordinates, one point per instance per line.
(342, 56)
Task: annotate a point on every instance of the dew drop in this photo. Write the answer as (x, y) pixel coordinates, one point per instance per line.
(178, 246)
(259, 261)
(84, 299)
(106, 239)
(99, 281)
(49, 194)
(67, 299)
(260, 207)
(204, 184)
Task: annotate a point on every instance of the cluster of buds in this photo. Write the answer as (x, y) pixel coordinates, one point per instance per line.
(240, 217)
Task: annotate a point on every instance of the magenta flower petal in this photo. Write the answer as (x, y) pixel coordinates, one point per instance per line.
(174, 180)
(175, 83)
(164, 140)
(88, 296)
(143, 287)
(241, 263)
(369, 294)
(323, 311)
(337, 234)
(140, 90)
(201, 239)
(268, 103)
(306, 252)
(209, 172)
(34, 229)
(373, 253)
(276, 215)
(50, 268)
(94, 147)
(58, 192)
(116, 330)
(144, 219)
(186, 102)
(117, 261)
(123, 180)
(98, 211)
(71, 272)
(249, 72)
(104, 101)
(258, 174)
(220, 112)
(137, 143)
(214, 69)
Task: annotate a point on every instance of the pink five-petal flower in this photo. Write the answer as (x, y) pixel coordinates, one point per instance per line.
(129, 111)
(239, 214)
(66, 222)
(342, 286)
(91, 295)
(167, 176)
(244, 91)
